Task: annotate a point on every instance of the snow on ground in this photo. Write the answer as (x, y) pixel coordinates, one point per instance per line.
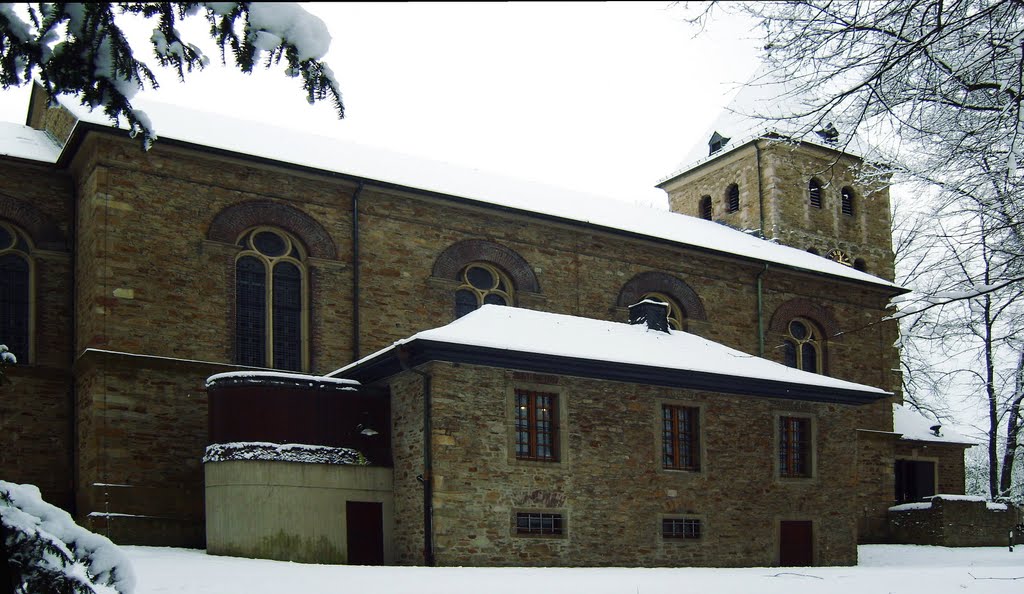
(883, 569)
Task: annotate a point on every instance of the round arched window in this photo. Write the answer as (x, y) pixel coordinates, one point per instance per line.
(482, 284)
(676, 315)
(270, 301)
(16, 296)
(802, 346)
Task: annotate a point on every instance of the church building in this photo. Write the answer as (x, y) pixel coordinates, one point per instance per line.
(451, 368)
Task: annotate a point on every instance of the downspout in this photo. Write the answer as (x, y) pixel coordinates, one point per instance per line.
(760, 311)
(760, 275)
(355, 272)
(427, 478)
(760, 191)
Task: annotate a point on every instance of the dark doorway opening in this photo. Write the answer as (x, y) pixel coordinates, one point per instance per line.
(796, 543)
(365, 532)
(915, 480)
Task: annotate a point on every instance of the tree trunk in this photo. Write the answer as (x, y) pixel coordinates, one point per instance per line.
(1013, 429)
(993, 404)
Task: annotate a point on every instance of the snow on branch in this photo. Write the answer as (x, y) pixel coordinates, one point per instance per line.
(48, 552)
(80, 49)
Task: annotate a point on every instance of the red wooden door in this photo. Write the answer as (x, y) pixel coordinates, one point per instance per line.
(365, 532)
(796, 543)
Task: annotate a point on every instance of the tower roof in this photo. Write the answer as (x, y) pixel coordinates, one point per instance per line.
(765, 108)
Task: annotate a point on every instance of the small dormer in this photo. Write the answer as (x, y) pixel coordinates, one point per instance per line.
(716, 143)
(828, 133)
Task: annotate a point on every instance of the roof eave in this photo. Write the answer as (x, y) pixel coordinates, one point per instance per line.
(419, 351)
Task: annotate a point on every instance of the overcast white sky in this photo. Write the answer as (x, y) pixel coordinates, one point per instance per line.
(605, 97)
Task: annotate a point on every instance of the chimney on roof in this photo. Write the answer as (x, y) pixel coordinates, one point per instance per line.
(650, 312)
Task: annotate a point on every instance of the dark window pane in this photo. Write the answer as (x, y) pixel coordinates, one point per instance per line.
(480, 278)
(250, 312)
(6, 239)
(847, 201)
(287, 316)
(814, 188)
(789, 353)
(539, 523)
(809, 354)
(689, 528)
(798, 330)
(465, 302)
(270, 244)
(495, 299)
(733, 198)
(705, 208)
(14, 305)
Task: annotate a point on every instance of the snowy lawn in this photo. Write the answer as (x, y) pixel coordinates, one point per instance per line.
(883, 569)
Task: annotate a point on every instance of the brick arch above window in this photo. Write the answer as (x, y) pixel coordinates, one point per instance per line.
(41, 229)
(231, 222)
(659, 282)
(458, 255)
(807, 309)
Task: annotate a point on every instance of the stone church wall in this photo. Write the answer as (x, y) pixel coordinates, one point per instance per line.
(154, 277)
(609, 484)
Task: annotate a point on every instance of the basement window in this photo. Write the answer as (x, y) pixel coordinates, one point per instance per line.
(682, 528)
(539, 524)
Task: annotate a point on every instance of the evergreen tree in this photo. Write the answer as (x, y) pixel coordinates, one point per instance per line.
(80, 49)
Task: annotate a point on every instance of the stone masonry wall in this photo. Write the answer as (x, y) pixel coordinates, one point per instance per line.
(952, 522)
(786, 170)
(36, 418)
(141, 438)
(609, 483)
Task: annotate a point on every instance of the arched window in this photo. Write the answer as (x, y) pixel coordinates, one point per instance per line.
(705, 207)
(15, 292)
(270, 301)
(847, 196)
(676, 314)
(803, 346)
(482, 283)
(860, 264)
(732, 198)
(814, 192)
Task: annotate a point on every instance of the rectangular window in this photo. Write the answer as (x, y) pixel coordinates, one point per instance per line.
(549, 524)
(536, 425)
(680, 444)
(681, 528)
(794, 447)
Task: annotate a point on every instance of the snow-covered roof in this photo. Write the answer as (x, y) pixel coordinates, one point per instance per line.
(25, 142)
(760, 108)
(338, 156)
(512, 329)
(913, 425)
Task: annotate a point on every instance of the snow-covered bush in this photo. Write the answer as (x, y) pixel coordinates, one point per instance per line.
(47, 553)
(6, 358)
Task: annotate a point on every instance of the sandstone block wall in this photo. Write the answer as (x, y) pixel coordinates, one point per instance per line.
(609, 483)
(954, 523)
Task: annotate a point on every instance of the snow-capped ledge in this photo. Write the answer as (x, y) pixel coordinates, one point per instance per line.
(928, 504)
(283, 452)
(281, 378)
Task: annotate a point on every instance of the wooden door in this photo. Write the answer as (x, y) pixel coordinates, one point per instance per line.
(365, 532)
(796, 543)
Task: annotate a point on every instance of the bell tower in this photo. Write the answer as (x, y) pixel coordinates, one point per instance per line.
(807, 194)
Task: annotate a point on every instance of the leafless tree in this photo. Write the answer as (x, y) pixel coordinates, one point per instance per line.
(936, 87)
